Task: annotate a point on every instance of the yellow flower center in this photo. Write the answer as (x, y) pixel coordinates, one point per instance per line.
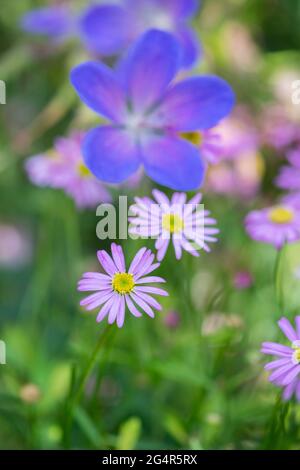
(172, 223)
(194, 137)
(296, 355)
(281, 215)
(83, 171)
(123, 283)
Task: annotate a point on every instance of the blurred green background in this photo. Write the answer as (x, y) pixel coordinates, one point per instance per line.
(197, 385)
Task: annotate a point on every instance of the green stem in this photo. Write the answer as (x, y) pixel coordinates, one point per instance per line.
(74, 400)
(277, 279)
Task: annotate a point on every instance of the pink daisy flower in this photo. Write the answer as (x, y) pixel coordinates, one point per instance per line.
(238, 167)
(63, 168)
(286, 368)
(276, 225)
(188, 225)
(279, 131)
(118, 288)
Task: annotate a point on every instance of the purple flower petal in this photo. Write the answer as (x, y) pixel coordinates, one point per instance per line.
(289, 390)
(100, 276)
(291, 375)
(53, 21)
(181, 8)
(86, 286)
(152, 290)
(114, 309)
(98, 88)
(137, 259)
(105, 309)
(282, 370)
(110, 154)
(276, 349)
(195, 103)
(121, 313)
(118, 257)
(173, 162)
(106, 29)
(132, 308)
(297, 321)
(149, 279)
(141, 303)
(277, 363)
(162, 249)
(298, 391)
(106, 262)
(95, 300)
(191, 49)
(148, 67)
(144, 265)
(149, 300)
(287, 329)
(160, 197)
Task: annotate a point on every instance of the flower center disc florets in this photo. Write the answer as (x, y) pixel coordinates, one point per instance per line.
(83, 170)
(296, 353)
(123, 283)
(172, 223)
(194, 137)
(281, 215)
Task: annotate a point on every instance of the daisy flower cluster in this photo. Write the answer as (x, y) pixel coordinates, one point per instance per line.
(156, 117)
(153, 119)
(190, 228)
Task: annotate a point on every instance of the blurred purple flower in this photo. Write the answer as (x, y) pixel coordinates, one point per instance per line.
(63, 168)
(292, 199)
(278, 130)
(187, 224)
(243, 280)
(109, 29)
(118, 288)
(148, 114)
(56, 22)
(286, 368)
(172, 320)
(289, 176)
(238, 166)
(276, 225)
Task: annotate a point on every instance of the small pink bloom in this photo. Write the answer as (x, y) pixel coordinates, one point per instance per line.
(276, 225)
(243, 280)
(63, 168)
(172, 320)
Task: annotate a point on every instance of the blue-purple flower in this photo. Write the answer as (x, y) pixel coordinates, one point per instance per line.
(56, 22)
(108, 29)
(148, 114)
